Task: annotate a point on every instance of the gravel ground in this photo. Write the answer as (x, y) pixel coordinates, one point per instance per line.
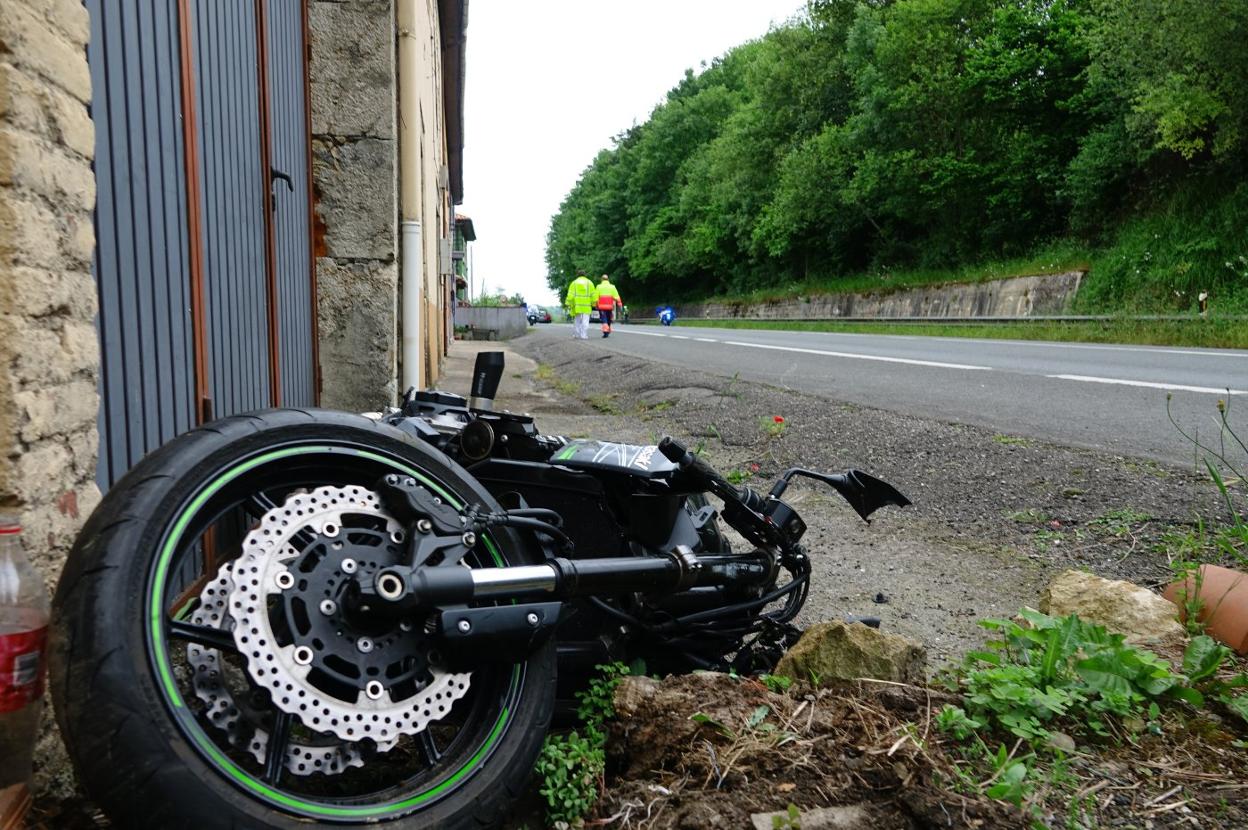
(994, 515)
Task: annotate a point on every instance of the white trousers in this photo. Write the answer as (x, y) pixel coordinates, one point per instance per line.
(580, 326)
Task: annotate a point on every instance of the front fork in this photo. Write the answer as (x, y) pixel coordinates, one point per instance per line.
(528, 598)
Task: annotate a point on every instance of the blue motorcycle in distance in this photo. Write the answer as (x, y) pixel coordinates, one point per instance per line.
(667, 314)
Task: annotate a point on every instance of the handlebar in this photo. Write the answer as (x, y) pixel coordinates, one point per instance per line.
(749, 505)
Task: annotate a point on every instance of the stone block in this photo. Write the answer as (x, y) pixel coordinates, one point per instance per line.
(29, 41)
(28, 161)
(41, 472)
(35, 292)
(56, 410)
(846, 651)
(352, 68)
(32, 104)
(70, 16)
(358, 319)
(1120, 606)
(28, 233)
(82, 347)
(38, 354)
(78, 240)
(358, 201)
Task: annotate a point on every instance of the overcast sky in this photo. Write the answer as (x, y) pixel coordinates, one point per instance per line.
(549, 83)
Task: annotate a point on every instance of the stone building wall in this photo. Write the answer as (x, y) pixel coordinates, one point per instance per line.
(355, 174)
(49, 356)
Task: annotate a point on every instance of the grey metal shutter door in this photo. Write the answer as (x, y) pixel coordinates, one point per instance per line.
(232, 184)
(292, 229)
(147, 379)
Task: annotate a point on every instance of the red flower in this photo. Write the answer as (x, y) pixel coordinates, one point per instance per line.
(778, 419)
(753, 468)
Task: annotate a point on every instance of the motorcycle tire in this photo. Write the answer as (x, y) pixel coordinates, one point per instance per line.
(138, 736)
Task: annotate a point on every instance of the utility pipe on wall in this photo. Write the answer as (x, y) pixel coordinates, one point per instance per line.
(410, 251)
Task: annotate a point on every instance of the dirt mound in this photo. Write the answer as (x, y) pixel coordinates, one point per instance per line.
(710, 750)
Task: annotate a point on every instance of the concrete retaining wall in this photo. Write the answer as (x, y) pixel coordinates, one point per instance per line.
(1014, 297)
(493, 323)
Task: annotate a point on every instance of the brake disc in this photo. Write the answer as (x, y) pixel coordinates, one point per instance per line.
(225, 711)
(286, 605)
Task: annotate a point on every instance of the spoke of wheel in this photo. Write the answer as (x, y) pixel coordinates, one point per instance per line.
(258, 504)
(429, 748)
(275, 753)
(205, 635)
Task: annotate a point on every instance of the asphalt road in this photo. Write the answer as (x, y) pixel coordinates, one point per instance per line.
(1084, 395)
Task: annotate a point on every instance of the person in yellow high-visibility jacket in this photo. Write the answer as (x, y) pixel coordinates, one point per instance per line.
(579, 302)
(607, 300)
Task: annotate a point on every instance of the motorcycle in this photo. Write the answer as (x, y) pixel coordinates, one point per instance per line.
(301, 616)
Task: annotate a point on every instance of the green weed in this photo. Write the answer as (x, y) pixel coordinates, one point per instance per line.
(570, 765)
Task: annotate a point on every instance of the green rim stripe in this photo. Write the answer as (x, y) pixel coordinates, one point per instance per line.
(175, 697)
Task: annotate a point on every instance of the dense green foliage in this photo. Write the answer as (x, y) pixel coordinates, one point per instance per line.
(873, 135)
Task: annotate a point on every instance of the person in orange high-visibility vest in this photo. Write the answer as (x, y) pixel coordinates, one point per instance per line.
(607, 300)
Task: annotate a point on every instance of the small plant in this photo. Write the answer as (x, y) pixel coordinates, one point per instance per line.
(776, 682)
(774, 427)
(605, 404)
(570, 765)
(791, 820)
(1012, 440)
(1119, 522)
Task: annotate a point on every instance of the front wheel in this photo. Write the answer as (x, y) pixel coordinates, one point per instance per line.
(205, 673)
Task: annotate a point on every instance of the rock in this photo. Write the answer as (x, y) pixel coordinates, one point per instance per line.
(840, 651)
(820, 818)
(632, 695)
(1120, 606)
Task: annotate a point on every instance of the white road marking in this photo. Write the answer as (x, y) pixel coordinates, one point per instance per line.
(678, 337)
(1048, 344)
(706, 339)
(1177, 387)
(854, 356)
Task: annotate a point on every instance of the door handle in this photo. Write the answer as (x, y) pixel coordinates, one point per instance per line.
(276, 174)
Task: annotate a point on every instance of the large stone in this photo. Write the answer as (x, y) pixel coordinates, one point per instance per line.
(352, 68)
(51, 53)
(357, 197)
(358, 316)
(1120, 606)
(845, 651)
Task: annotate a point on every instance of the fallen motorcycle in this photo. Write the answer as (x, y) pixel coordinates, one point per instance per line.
(307, 616)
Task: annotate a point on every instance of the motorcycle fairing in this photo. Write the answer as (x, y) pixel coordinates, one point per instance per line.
(642, 461)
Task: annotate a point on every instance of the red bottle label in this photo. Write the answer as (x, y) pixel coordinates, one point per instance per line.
(21, 668)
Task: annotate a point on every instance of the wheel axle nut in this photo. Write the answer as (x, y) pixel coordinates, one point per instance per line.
(464, 626)
(532, 619)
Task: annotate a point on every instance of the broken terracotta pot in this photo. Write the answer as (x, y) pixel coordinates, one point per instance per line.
(1224, 603)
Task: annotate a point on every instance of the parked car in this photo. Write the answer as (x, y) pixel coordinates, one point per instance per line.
(537, 314)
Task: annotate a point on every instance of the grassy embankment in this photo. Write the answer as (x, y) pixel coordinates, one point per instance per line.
(1154, 264)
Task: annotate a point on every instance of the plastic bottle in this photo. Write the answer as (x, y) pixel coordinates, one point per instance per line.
(23, 639)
